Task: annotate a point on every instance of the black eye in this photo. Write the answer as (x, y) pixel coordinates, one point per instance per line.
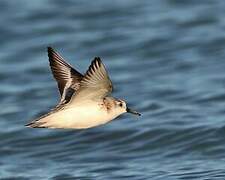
(120, 104)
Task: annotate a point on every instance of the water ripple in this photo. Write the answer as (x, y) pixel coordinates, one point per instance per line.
(166, 62)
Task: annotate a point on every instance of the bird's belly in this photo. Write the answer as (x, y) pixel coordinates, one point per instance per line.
(78, 118)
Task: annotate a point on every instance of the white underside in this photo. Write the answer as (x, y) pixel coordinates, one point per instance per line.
(78, 117)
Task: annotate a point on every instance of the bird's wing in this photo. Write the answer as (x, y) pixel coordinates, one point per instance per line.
(95, 84)
(65, 75)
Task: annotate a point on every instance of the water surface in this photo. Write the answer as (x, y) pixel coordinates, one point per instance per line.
(165, 57)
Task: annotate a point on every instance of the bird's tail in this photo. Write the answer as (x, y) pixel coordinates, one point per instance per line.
(36, 124)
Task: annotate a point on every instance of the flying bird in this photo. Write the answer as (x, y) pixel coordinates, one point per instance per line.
(85, 99)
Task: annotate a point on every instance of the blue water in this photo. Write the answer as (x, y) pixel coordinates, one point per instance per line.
(165, 57)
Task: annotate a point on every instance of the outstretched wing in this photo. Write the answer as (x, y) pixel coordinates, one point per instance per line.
(67, 77)
(96, 83)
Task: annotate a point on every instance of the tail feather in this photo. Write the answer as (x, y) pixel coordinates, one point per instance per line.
(36, 124)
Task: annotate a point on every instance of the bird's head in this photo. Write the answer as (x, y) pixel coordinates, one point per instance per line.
(121, 107)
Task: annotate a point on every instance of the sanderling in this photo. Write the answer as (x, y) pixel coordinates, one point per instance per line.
(85, 99)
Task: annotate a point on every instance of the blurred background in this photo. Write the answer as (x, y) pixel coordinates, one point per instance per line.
(165, 57)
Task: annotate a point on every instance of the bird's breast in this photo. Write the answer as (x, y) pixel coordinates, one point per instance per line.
(80, 117)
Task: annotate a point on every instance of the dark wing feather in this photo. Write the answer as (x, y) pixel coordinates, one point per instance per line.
(65, 75)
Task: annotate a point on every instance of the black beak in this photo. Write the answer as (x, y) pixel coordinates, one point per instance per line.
(133, 112)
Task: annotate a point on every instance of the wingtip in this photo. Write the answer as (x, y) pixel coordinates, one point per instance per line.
(98, 60)
(52, 54)
(50, 50)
